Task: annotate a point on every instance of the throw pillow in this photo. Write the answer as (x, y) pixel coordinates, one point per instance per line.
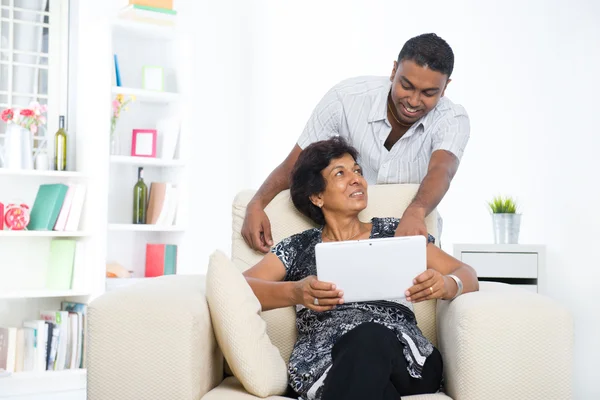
(240, 330)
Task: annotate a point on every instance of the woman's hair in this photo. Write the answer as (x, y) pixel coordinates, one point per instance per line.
(306, 179)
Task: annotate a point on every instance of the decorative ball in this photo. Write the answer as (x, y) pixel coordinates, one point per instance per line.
(16, 217)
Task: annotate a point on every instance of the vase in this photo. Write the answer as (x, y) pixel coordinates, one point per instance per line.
(114, 144)
(506, 228)
(18, 148)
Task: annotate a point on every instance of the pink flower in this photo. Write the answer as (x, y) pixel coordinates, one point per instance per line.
(7, 115)
(26, 112)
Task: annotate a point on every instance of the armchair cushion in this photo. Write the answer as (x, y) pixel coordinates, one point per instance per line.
(240, 330)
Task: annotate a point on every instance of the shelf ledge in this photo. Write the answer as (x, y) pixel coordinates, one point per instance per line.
(146, 161)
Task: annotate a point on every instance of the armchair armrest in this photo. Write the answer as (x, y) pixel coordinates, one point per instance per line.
(505, 343)
(153, 340)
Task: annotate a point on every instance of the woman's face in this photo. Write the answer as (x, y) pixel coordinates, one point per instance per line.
(345, 189)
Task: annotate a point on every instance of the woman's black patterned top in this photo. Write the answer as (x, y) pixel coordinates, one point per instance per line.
(318, 331)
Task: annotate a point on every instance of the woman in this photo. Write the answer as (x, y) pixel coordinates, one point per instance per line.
(367, 350)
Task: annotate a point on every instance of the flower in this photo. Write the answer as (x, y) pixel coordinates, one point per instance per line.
(7, 115)
(28, 118)
(119, 104)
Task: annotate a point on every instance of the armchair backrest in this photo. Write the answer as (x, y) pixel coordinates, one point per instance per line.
(384, 201)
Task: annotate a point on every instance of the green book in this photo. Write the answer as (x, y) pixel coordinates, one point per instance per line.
(170, 259)
(46, 207)
(60, 267)
(155, 9)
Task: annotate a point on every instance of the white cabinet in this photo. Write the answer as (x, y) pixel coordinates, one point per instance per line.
(516, 264)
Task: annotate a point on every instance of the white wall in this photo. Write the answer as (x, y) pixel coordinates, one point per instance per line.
(526, 72)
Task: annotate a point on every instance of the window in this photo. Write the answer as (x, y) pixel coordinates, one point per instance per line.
(34, 58)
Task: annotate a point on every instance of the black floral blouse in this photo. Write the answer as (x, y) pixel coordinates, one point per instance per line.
(319, 331)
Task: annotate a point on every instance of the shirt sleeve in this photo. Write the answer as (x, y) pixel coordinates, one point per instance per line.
(324, 121)
(452, 134)
(286, 251)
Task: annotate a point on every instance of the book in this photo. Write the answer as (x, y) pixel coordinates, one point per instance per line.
(80, 309)
(72, 224)
(168, 11)
(20, 353)
(156, 201)
(148, 15)
(168, 132)
(167, 4)
(117, 72)
(78, 276)
(8, 348)
(61, 221)
(51, 344)
(168, 210)
(161, 259)
(60, 268)
(46, 206)
(1, 217)
(29, 349)
(40, 337)
(60, 320)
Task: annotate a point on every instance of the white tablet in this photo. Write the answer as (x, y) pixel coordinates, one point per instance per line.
(372, 269)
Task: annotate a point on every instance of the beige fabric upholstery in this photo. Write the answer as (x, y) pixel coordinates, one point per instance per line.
(521, 350)
(152, 340)
(231, 389)
(384, 201)
(241, 332)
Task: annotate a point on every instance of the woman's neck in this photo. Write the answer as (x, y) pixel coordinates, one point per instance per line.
(339, 229)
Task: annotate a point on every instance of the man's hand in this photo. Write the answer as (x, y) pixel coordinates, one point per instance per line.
(256, 230)
(412, 223)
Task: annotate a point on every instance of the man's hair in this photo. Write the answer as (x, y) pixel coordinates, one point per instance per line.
(429, 50)
(306, 178)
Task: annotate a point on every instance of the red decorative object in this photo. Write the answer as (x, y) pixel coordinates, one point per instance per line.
(143, 143)
(16, 217)
(1, 217)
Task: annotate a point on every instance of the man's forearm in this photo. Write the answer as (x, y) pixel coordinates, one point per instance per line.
(431, 191)
(276, 182)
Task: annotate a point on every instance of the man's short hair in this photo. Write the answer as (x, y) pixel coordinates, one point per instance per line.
(429, 50)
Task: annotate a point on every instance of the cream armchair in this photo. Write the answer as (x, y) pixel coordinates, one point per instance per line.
(154, 340)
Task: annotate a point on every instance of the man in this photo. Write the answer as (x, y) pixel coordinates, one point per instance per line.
(404, 128)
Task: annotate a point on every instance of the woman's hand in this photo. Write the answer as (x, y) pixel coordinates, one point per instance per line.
(428, 285)
(310, 288)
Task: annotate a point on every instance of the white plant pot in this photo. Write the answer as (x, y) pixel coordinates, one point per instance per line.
(18, 148)
(506, 228)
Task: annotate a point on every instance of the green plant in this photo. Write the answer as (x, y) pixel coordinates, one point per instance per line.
(503, 205)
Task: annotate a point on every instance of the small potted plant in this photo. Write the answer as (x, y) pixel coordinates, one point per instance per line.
(119, 104)
(505, 219)
(18, 141)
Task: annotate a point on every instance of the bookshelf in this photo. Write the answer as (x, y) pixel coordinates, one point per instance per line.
(105, 227)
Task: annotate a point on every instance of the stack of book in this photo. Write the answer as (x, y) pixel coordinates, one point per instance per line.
(66, 267)
(157, 12)
(57, 207)
(54, 342)
(162, 204)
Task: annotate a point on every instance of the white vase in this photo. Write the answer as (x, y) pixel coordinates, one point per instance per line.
(506, 228)
(18, 148)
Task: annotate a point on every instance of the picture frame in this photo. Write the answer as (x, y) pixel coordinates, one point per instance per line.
(153, 78)
(143, 143)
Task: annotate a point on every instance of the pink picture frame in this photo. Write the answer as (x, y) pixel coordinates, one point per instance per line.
(143, 143)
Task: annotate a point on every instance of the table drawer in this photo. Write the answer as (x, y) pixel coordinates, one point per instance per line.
(502, 265)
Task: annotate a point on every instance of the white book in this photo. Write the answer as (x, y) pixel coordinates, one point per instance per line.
(168, 131)
(61, 221)
(172, 212)
(164, 212)
(20, 352)
(72, 223)
(8, 348)
(73, 342)
(40, 334)
(29, 347)
(78, 278)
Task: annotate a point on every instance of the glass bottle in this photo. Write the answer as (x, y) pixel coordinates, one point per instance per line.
(140, 199)
(60, 146)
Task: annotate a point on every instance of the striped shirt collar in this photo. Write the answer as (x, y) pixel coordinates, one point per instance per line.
(379, 109)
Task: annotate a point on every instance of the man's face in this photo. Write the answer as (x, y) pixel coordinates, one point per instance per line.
(416, 90)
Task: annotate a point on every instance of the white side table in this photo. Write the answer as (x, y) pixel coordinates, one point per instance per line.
(515, 264)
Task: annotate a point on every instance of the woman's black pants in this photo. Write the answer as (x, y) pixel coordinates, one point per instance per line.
(368, 363)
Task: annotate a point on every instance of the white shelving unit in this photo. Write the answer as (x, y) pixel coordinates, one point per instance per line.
(105, 228)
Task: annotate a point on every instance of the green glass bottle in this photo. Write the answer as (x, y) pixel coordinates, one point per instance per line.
(60, 146)
(140, 199)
